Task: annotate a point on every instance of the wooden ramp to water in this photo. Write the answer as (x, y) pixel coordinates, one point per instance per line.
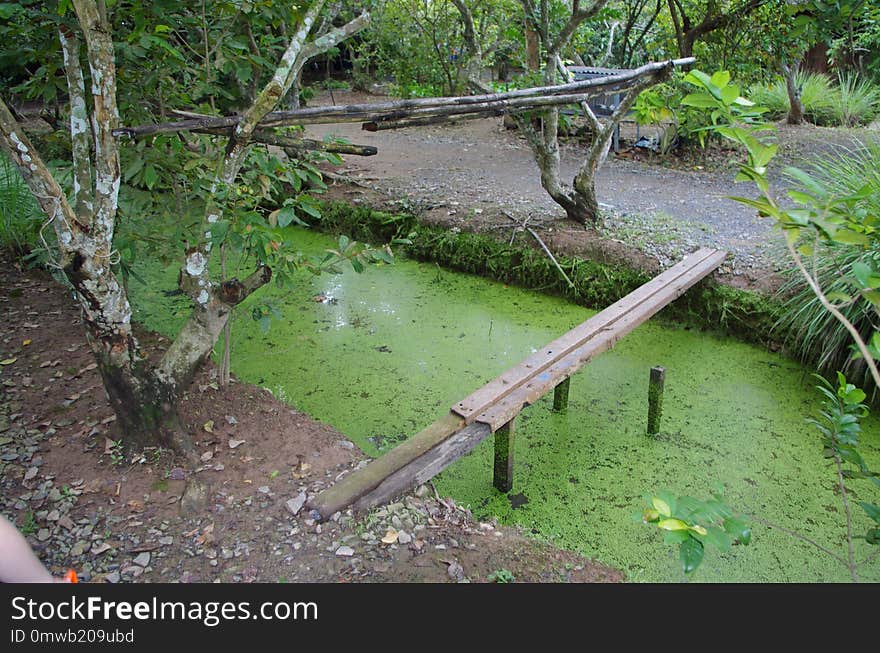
(494, 407)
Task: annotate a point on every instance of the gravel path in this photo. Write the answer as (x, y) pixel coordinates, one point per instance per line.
(478, 167)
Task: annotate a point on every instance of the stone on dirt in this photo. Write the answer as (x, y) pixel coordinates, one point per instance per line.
(295, 504)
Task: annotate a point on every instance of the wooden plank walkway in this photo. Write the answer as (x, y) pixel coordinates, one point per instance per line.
(495, 406)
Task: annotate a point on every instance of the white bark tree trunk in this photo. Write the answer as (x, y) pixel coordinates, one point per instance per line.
(144, 398)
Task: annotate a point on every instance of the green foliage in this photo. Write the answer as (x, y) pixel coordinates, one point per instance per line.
(817, 96)
(501, 576)
(857, 101)
(823, 215)
(814, 333)
(117, 453)
(29, 524)
(693, 524)
(721, 101)
(20, 215)
(852, 101)
(842, 410)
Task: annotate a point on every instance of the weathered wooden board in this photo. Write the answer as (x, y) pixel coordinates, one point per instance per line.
(424, 468)
(532, 388)
(648, 298)
(363, 480)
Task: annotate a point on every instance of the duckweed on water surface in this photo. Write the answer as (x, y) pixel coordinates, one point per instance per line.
(381, 355)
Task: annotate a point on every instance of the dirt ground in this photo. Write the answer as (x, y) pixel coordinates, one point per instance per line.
(472, 174)
(239, 516)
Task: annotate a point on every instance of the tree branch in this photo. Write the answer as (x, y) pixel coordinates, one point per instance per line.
(41, 183)
(80, 132)
(105, 117)
(331, 39)
(578, 16)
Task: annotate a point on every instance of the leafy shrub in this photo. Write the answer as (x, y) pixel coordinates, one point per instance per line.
(815, 335)
(817, 96)
(850, 102)
(856, 102)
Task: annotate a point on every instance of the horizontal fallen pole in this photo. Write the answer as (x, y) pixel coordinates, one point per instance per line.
(427, 121)
(402, 109)
(499, 401)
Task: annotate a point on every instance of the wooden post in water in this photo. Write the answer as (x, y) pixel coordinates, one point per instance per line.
(560, 395)
(503, 476)
(655, 399)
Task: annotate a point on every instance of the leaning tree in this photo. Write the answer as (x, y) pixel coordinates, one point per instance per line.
(145, 395)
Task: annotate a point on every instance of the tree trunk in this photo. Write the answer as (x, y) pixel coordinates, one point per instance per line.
(146, 409)
(796, 107)
(533, 49)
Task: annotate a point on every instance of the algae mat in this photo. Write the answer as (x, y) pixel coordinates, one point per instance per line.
(382, 354)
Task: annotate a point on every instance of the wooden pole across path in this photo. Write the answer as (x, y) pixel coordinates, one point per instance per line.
(396, 110)
(496, 404)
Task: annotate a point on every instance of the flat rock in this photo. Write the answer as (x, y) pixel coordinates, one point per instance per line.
(194, 499)
(345, 552)
(295, 504)
(143, 559)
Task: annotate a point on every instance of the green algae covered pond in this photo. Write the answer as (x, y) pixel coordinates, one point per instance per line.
(382, 354)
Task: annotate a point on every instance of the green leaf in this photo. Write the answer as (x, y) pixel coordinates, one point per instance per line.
(699, 100)
(672, 525)
(311, 209)
(698, 78)
(739, 530)
(849, 237)
(838, 296)
(150, 176)
(865, 275)
(691, 552)
(721, 79)
(286, 215)
(133, 168)
(729, 94)
(661, 506)
(872, 510)
(676, 537)
(873, 536)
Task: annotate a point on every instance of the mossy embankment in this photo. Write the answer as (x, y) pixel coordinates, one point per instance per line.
(711, 305)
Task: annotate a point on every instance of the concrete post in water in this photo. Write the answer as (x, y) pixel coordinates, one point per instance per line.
(560, 395)
(504, 438)
(655, 399)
